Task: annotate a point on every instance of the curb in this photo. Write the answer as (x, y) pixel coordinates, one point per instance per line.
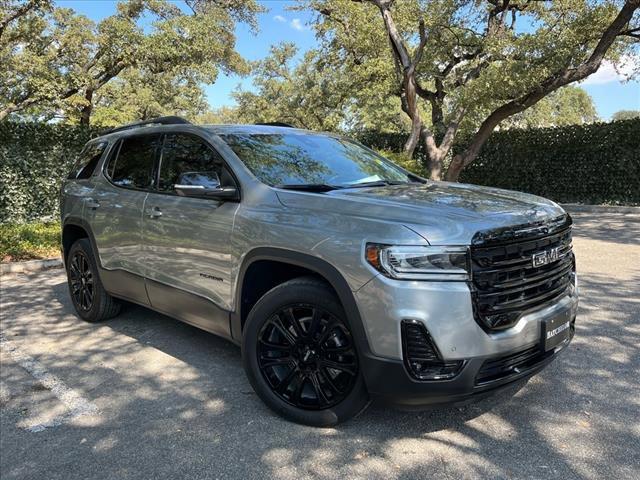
(580, 208)
(30, 266)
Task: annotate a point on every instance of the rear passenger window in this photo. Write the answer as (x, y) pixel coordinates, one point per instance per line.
(86, 163)
(133, 167)
(186, 156)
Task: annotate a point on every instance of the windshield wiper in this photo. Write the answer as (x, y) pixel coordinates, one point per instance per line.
(375, 183)
(309, 187)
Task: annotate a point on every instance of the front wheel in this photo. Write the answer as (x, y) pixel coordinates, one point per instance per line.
(300, 356)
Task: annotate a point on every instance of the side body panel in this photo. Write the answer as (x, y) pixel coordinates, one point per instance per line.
(188, 248)
(73, 196)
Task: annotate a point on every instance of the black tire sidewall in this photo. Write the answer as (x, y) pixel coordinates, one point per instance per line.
(93, 314)
(293, 292)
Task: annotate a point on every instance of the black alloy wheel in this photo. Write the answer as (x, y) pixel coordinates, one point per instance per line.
(307, 356)
(90, 299)
(81, 280)
(301, 356)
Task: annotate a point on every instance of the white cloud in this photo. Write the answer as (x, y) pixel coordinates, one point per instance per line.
(608, 72)
(296, 24)
(279, 18)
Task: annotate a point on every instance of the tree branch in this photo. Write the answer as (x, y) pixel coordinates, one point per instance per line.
(550, 84)
(20, 12)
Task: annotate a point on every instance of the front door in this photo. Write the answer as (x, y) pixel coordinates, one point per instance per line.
(187, 239)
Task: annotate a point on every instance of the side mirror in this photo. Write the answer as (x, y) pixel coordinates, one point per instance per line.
(204, 184)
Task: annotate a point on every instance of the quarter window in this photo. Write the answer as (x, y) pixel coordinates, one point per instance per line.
(133, 167)
(86, 163)
(187, 159)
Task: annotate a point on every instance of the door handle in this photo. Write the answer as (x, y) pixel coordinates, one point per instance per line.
(154, 212)
(91, 203)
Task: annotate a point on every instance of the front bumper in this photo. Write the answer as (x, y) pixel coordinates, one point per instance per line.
(445, 310)
(389, 380)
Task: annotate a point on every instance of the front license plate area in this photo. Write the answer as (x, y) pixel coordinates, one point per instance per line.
(556, 330)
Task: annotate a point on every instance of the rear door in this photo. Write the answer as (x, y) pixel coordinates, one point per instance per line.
(187, 239)
(116, 207)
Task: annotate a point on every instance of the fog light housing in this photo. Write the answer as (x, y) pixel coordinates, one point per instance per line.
(421, 356)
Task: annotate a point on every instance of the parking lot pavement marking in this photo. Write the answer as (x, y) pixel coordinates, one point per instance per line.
(75, 404)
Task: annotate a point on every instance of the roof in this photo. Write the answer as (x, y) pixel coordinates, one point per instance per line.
(240, 129)
(253, 129)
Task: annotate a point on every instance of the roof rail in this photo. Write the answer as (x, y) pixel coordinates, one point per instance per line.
(170, 120)
(276, 124)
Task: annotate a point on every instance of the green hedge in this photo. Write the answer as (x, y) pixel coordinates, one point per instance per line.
(34, 158)
(598, 163)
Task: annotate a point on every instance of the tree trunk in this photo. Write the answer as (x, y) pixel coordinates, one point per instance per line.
(435, 167)
(85, 113)
(547, 86)
(456, 166)
(411, 101)
(414, 137)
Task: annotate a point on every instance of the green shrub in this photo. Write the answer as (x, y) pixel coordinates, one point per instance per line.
(29, 241)
(597, 163)
(411, 164)
(34, 158)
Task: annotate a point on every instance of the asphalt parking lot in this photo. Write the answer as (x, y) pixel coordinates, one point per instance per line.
(144, 396)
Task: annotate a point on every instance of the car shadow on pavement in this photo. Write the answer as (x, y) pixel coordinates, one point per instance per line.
(174, 402)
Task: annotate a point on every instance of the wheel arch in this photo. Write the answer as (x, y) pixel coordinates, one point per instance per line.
(296, 261)
(74, 228)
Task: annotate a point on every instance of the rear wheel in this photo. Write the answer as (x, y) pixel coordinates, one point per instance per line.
(90, 299)
(300, 356)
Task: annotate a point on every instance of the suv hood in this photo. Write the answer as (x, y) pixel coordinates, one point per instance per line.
(441, 212)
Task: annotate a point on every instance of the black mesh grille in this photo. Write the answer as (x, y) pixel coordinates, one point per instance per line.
(514, 363)
(505, 281)
(421, 355)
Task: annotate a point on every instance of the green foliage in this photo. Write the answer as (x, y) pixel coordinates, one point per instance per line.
(625, 115)
(467, 65)
(57, 60)
(595, 164)
(408, 163)
(34, 158)
(137, 95)
(305, 96)
(29, 241)
(567, 106)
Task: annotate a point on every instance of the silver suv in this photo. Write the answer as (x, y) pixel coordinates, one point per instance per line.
(342, 276)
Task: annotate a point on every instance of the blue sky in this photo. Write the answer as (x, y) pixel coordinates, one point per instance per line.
(281, 25)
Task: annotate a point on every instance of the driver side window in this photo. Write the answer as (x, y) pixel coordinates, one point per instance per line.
(188, 160)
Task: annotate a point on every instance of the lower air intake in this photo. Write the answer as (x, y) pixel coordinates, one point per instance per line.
(421, 355)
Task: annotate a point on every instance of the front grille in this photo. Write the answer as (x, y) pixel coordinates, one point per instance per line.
(506, 283)
(421, 355)
(514, 363)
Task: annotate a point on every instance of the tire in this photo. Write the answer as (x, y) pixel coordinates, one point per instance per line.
(290, 337)
(90, 299)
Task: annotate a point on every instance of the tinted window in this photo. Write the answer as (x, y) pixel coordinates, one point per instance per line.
(134, 164)
(294, 159)
(188, 160)
(86, 163)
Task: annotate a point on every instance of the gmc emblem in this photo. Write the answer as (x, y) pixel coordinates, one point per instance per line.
(548, 256)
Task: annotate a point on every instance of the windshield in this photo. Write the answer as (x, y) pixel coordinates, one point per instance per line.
(294, 159)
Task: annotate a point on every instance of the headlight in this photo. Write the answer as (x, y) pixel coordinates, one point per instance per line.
(419, 263)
